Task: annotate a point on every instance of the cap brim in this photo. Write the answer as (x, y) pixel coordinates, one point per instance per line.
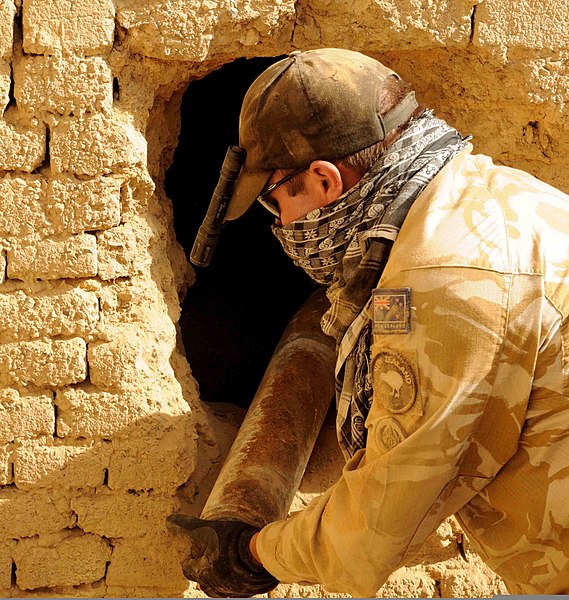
(248, 186)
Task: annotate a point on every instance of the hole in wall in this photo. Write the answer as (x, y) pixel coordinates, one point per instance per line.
(116, 89)
(234, 314)
(11, 94)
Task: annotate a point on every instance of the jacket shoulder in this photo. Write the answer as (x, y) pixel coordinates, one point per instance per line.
(479, 214)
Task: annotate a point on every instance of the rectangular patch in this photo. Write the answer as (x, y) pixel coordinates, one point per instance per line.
(392, 310)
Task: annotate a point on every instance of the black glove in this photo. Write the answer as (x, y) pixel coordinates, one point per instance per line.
(220, 559)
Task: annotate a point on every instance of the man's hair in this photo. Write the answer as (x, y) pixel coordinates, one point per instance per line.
(296, 185)
(392, 92)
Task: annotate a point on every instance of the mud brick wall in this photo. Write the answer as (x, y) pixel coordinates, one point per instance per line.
(100, 419)
(96, 434)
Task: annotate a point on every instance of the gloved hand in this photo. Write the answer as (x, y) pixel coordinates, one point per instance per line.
(220, 559)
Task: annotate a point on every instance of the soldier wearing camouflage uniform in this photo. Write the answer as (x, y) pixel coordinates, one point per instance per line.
(447, 277)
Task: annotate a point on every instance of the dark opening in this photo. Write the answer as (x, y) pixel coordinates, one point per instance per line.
(235, 313)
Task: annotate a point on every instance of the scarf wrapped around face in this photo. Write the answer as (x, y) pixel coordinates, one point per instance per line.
(346, 245)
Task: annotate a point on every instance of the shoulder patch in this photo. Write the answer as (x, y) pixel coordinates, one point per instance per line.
(394, 382)
(392, 310)
(389, 433)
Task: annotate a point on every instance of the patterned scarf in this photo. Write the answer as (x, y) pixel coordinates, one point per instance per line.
(346, 245)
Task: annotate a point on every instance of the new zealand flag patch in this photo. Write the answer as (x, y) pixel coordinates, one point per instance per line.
(392, 310)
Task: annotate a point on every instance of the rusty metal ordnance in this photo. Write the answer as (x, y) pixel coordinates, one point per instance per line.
(264, 467)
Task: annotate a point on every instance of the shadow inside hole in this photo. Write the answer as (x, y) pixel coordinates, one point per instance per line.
(235, 313)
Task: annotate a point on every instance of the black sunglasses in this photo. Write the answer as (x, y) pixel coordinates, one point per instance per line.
(270, 205)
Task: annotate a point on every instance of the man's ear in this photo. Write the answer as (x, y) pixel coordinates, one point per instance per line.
(327, 178)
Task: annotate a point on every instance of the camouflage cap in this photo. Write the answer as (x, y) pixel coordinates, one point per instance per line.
(314, 105)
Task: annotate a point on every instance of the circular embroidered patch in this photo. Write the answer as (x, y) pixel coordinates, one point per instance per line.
(394, 382)
(389, 433)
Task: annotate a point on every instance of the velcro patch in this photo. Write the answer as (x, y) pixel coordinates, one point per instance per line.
(392, 310)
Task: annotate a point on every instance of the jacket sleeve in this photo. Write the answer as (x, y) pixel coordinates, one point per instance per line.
(448, 406)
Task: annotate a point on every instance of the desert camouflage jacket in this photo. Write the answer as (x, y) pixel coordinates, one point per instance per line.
(471, 411)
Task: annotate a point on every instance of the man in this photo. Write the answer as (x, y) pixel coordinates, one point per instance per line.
(447, 277)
